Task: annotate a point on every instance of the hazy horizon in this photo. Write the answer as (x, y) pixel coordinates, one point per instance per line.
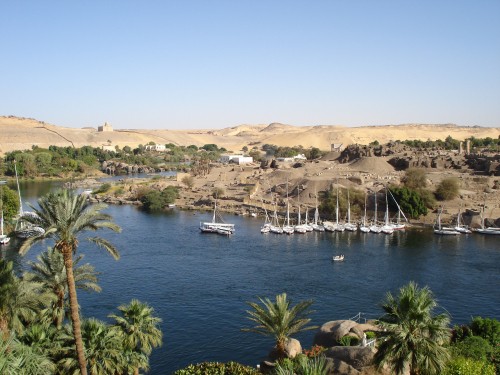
(210, 65)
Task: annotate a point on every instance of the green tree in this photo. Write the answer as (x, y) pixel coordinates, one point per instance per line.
(414, 338)
(21, 300)
(279, 320)
(9, 202)
(409, 200)
(103, 350)
(65, 216)
(19, 359)
(51, 272)
(140, 330)
(447, 189)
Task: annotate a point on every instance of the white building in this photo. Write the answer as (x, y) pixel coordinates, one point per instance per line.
(237, 159)
(155, 148)
(299, 157)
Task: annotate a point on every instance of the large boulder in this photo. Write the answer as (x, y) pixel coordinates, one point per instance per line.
(355, 356)
(330, 333)
(292, 348)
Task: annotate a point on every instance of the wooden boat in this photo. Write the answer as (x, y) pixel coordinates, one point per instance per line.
(217, 225)
(438, 229)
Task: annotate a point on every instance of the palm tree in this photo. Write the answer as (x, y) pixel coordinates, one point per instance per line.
(21, 300)
(19, 359)
(51, 272)
(103, 349)
(64, 215)
(414, 338)
(279, 320)
(140, 331)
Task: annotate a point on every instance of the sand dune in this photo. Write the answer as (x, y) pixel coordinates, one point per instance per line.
(21, 133)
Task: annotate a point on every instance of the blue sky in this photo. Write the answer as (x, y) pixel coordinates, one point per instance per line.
(212, 64)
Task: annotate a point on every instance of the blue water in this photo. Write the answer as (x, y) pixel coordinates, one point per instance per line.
(199, 283)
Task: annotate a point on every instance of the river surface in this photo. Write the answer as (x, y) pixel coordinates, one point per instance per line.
(199, 283)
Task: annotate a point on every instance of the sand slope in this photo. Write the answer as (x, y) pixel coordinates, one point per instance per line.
(21, 133)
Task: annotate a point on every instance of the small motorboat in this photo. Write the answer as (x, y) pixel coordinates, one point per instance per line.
(338, 258)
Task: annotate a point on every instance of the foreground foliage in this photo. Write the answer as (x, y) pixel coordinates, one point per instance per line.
(414, 339)
(278, 319)
(302, 365)
(216, 368)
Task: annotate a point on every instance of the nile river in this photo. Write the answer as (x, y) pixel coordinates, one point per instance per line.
(199, 283)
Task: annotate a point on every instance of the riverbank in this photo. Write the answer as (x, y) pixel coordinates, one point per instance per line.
(250, 190)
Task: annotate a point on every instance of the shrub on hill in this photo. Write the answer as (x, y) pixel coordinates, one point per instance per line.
(447, 189)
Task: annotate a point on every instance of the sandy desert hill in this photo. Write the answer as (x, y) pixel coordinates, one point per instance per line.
(18, 133)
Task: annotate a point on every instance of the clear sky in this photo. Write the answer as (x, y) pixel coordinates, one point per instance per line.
(220, 63)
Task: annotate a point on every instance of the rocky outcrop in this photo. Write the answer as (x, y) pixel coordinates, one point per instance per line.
(330, 333)
(118, 168)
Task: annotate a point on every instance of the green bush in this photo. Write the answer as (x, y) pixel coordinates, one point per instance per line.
(468, 366)
(349, 341)
(103, 188)
(216, 368)
(473, 347)
(302, 365)
(370, 335)
(488, 329)
(447, 189)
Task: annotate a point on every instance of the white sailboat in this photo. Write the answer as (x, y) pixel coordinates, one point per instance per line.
(300, 227)
(387, 228)
(459, 227)
(3, 237)
(363, 227)
(288, 229)
(308, 226)
(217, 225)
(349, 226)
(398, 225)
(275, 224)
(338, 227)
(316, 225)
(375, 228)
(266, 227)
(439, 229)
(23, 229)
(485, 230)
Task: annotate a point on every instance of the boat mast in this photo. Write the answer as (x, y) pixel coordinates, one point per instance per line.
(386, 208)
(364, 217)
(375, 215)
(316, 212)
(337, 207)
(348, 208)
(18, 191)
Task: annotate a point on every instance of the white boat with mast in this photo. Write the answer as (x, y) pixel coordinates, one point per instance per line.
(375, 228)
(275, 223)
(338, 227)
(387, 228)
(316, 225)
(439, 229)
(4, 239)
(299, 228)
(308, 226)
(217, 225)
(398, 225)
(266, 227)
(484, 229)
(349, 226)
(363, 227)
(23, 229)
(459, 227)
(288, 229)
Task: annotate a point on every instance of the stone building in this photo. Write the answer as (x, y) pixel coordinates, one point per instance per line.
(105, 128)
